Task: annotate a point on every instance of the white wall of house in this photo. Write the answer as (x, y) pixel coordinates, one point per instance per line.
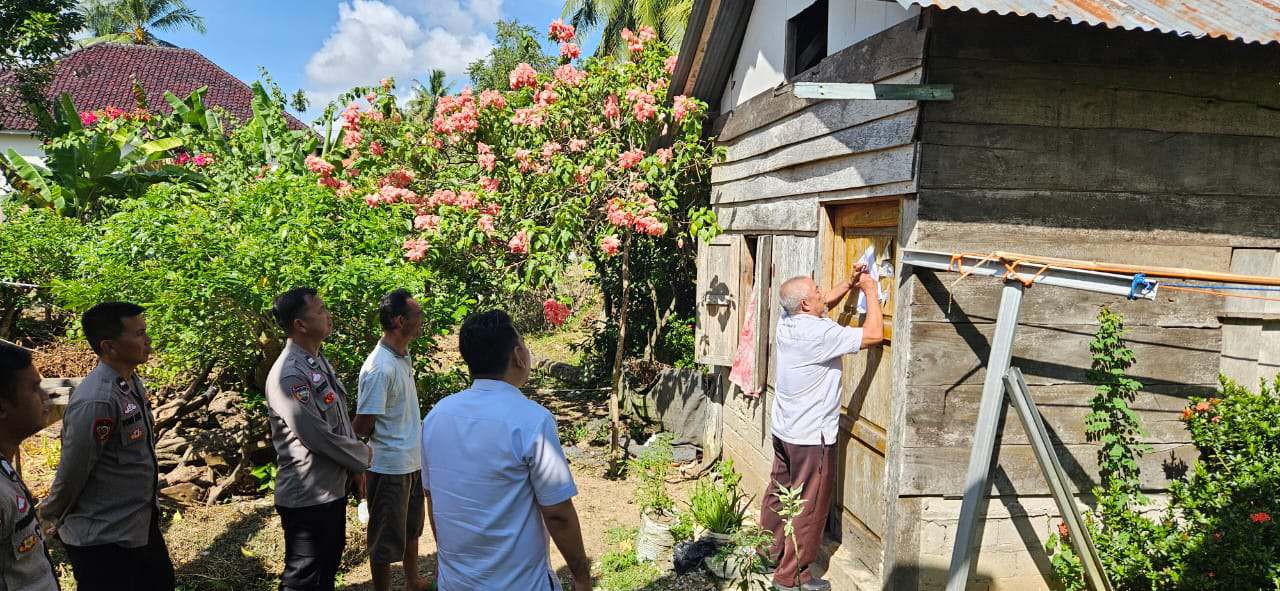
(761, 63)
(23, 143)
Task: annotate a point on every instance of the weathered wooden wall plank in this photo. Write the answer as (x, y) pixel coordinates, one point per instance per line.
(1087, 96)
(850, 171)
(945, 417)
(861, 477)
(998, 156)
(945, 354)
(818, 120)
(789, 214)
(887, 132)
(1037, 40)
(893, 51)
(940, 471)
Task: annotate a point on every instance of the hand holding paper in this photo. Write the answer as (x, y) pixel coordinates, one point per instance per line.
(868, 262)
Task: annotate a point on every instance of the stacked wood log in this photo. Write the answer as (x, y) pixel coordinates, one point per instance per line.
(206, 444)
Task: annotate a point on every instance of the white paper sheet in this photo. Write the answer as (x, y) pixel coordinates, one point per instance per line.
(869, 259)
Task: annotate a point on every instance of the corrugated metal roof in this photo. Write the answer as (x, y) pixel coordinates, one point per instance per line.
(1251, 21)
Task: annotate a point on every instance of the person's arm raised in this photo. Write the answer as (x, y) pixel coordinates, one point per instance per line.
(873, 323)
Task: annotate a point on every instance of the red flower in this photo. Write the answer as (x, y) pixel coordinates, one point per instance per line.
(1186, 413)
(1062, 529)
(555, 312)
(1202, 407)
(1260, 517)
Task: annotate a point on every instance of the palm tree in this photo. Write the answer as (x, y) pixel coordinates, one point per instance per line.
(423, 104)
(132, 21)
(667, 17)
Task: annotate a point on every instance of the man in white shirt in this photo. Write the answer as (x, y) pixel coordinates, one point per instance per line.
(806, 415)
(496, 478)
(387, 413)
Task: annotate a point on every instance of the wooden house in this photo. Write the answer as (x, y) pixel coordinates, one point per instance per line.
(1143, 132)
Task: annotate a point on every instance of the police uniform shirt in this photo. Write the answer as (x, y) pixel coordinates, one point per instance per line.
(24, 563)
(107, 483)
(310, 430)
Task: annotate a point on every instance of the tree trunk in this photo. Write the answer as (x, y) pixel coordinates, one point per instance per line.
(6, 322)
(615, 397)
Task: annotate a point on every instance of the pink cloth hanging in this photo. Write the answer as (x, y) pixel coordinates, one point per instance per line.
(744, 369)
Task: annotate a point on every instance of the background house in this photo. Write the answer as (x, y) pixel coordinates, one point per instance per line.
(1145, 133)
(102, 75)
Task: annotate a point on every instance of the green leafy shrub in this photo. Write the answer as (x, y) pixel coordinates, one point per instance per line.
(718, 504)
(619, 569)
(652, 467)
(37, 248)
(1218, 531)
(207, 265)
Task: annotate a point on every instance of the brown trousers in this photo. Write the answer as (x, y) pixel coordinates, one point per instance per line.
(814, 467)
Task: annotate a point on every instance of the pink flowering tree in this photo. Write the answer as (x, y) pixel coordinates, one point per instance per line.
(514, 187)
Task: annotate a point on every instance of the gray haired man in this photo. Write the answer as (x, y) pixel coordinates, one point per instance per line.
(806, 415)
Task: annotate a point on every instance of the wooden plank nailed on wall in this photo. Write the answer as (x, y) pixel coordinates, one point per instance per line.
(873, 92)
(718, 300)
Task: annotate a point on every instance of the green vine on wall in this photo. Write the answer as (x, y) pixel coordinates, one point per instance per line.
(1111, 421)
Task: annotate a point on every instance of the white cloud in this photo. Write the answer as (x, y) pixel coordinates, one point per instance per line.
(406, 39)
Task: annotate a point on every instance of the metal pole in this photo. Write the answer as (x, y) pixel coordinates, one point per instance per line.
(1056, 477)
(978, 479)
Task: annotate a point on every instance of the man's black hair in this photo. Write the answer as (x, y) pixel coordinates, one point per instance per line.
(13, 359)
(486, 341)
(290, 306)
(394, 304)
(105, 321)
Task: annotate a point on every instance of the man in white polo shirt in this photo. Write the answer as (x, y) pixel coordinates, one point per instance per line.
(806, 415)
(496, 479)
(387, 413)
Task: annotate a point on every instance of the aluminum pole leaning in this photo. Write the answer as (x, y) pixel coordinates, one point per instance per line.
(1056, 477)
(981, 457)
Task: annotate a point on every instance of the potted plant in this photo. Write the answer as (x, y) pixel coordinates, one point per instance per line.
(718, 505)
(740, 560)
(654, 541)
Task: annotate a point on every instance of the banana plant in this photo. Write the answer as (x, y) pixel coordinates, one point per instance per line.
(85, 171)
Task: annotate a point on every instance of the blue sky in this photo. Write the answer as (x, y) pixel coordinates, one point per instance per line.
(324, 47)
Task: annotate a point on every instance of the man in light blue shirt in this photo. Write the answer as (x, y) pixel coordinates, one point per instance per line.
(387, 413)
(496, 478)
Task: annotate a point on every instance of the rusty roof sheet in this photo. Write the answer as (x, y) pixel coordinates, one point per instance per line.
(1251, 21)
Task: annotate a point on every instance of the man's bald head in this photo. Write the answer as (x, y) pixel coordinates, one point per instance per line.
(795, 292)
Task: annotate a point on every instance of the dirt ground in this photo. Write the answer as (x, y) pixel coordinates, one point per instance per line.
(239, 545)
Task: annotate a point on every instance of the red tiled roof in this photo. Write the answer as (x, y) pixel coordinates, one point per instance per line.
(102, 75)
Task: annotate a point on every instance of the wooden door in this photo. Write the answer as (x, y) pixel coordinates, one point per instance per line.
(867, 380)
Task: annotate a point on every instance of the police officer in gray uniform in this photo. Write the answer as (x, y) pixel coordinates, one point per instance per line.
(104, 500)
(319, 455)
(24, 562)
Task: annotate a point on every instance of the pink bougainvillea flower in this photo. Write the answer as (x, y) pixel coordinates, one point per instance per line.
(317, 165)
(634, 44)
(611, 110)
(547, 96)
(428, 223)
(670, 64)
(523, 76)
(1062, 529)
(376, 149)
(522, 160)
(491, 209)
(182, 159)
(87, 118)
(528, 117)
(577, 145)
(1202, 407)
(569, 75)
(664, 155)
(555, 312)
(489, 183)
(492, 98)
(560, 31)
(415, 249)
(611, 245)
(485, 223)
(584, 174)
(570, 51)
(202, 160)
(399, 178)
(519, 244)
(443, 197)
(681, 106)
(372, 199)
(643, 105)
(550, 149)
(351, 139)
(467, 200)
(351, 117)
(1260, 517)
(630, 158)
(113, 112)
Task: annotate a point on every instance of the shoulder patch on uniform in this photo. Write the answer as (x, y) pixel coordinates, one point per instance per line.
(29, 543)
(301, 393)
(102, 429)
